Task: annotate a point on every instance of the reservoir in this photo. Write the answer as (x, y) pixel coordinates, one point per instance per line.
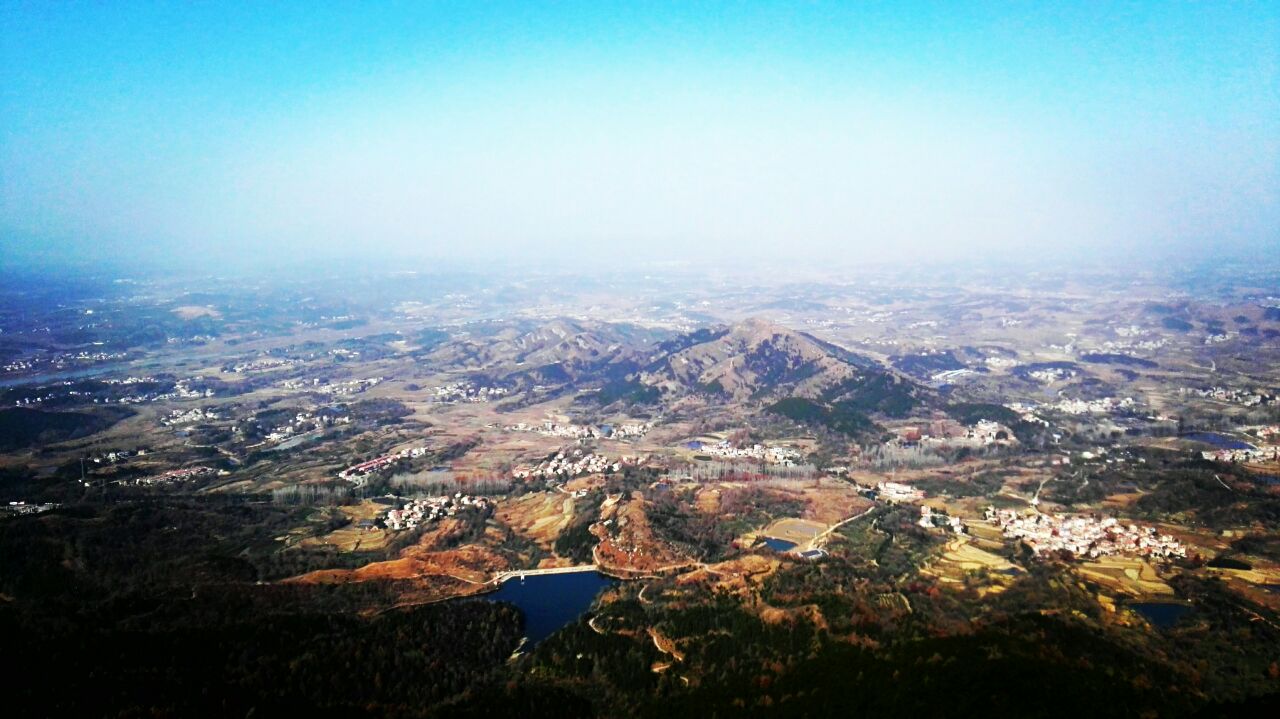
(1162, 615)
(779, 545)
(1221, 441)
(40, 380)
(550, 601)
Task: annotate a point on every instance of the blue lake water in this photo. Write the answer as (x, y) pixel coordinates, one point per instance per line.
(779, 545)
(550, 601)
(1162, 615)
(59, 376)
(1221, 441)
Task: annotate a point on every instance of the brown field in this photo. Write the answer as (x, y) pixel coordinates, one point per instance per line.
(351, 538)
(1251, 576)
(1122, 501)
(807, 613)
(538, 517)
(831, 500)
(707, 500)
(798, 531)
(739, 576)
(587, 483)
(962, 556)
(1128, 575)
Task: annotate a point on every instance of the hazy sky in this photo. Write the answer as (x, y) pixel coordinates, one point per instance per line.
(477, 130)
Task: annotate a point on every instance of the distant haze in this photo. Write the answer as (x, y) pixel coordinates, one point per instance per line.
(793, 132)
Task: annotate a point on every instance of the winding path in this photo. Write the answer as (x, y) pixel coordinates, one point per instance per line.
(816, 541)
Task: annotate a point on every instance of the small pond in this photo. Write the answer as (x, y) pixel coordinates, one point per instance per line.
(779, 545)
(1221, 441)
(1162, 615)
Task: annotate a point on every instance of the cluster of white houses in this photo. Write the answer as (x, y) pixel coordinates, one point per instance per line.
(555, 429)
(1269, 453)
(302, 423)
(431, 509)
(181, 390)
(1105, 405)
(1127, 347)
(948, 433)
(260, 365)
(60, 361)
(575, 463)
(118, 455)
(1248, 398)
(630, 430)
(1052, 374)
(770, 454)
(1084, 536)
(354, 386)
(21, 508)
(467, 392)
(897, 492)
(930, 519)
(336, 389)
(191, 416)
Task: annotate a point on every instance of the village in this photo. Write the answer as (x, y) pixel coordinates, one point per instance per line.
(575, 463)
(930, 519)
(301, 423)
(175, 476)
(119, 455)
(356, 474)
(349, 387)
(1052, 374)
(633, 430)
(895, 492)
(1066, 405)
(192, 416)
(259, 365)
(181, 390)
(1084, 536)
(60, 361)
(1239, 455)
(1246, 398)
(948, 433)
(431, 509)
(334, 389)
(467, 392)
(772, 454)
(20, 508)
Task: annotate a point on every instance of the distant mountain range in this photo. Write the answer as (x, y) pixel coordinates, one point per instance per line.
(754, 361)
(556, 352)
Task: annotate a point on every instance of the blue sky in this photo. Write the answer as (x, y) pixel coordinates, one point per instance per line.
(818, 131)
